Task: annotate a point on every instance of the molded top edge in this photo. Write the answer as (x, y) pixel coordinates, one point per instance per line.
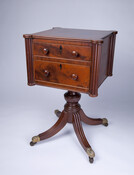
(82, 35)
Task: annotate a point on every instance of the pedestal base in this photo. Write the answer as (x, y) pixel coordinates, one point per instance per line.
(72, 113)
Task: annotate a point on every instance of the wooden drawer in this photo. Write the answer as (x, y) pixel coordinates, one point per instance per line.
(61, 73)
(62, 51)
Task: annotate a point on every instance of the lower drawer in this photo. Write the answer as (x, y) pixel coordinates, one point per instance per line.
(61, 73)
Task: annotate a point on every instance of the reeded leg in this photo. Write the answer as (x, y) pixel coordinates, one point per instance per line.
(57, 112)
(81, 136)
(52, 131)
(92, 121)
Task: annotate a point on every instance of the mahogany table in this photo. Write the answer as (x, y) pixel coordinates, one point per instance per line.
(76, 60)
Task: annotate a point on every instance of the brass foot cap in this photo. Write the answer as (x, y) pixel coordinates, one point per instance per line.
(57, 112)
(35, 139)
(105, 122)
(90, 153)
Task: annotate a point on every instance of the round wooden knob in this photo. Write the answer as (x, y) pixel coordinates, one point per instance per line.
(45, 51)
(74, 76)
(47, 73)
(75, 54)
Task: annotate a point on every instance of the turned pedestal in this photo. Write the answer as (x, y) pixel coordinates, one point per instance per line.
(72, 113)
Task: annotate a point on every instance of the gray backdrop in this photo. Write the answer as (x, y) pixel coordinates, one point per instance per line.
(26, 111)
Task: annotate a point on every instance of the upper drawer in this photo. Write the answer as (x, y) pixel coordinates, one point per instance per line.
(62, 51)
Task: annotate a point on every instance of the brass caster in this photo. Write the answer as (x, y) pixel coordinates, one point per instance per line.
(105, 122)
(32, 143)
(91, 160)
(90, 153)
(57, 112)
(35, 139)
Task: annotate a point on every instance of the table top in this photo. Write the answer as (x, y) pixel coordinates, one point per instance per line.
(67, 33)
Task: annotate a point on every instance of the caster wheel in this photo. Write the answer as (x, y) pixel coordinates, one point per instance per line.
(91, 160)
(57, 112)
(105, 122)
(32, 143)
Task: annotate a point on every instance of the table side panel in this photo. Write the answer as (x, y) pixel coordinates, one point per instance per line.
(107, 57)
(104, 60)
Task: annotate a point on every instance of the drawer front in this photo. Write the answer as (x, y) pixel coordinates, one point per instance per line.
(62, 51)
(61, 73)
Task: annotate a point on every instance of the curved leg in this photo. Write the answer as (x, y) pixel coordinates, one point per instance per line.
(93, 121)
(52, 131)
(81, 136)
(57, 112)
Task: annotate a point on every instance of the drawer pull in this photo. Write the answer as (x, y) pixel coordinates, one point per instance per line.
(45, 51)
(74, 77)
(74, 53)
(47, 73)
